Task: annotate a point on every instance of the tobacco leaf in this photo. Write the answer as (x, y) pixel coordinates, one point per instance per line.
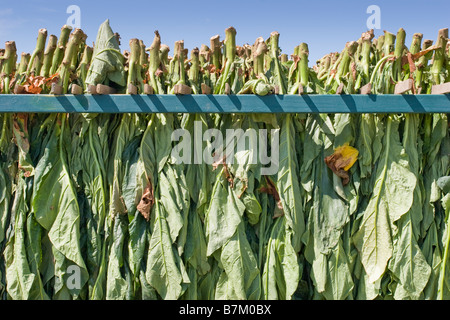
(107, 60)
(341, 161)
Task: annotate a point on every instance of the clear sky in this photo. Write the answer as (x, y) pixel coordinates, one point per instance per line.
(324, 25)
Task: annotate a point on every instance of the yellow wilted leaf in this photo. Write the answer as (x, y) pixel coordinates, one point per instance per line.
(349, 155)
(343, 158)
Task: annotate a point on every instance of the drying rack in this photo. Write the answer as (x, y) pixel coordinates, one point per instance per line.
(120, 103)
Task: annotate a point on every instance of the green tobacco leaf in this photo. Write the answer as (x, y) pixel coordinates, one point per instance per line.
(435, 165)
(54, 200)
(107, 60)
(165, 270)
(223, 216)
(391, 198)
(199, 177)
(19, 278)
(93, 175)
(34, 254)
(330, 210)
(444, 184)
(175, 199)
(281, 272)
(20, 129)
(195, 248)
(369, 145)
(444, 272)
(331, 274)
(117, 286)
(408, 262)
(128, 130)
(5, 200)
(433, 255)
(241, 278)
(288, 182)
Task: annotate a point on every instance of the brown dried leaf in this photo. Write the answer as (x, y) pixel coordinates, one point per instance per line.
(272, 190)
(341, 161)
(147, 201)
(228, 176)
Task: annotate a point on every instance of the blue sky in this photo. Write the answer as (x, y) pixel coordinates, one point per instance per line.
(324, 25)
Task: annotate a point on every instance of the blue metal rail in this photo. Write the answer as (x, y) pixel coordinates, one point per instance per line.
(226, 103)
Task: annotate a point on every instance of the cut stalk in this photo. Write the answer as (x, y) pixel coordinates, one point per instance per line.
(215, 51)
(178, 65)
(344, 64)
(389, 42)
(365, 54)
(181, 58)
(133, 64)
(8, 65)
(58, 55)
(258, 56)
(164, 54)
(144, 57)
(194, 71)
(36, 60)
(84, 65)
(422, 64)
(416, 43)
(204, 55)
(439, 56)
(324, 66)
(48, 56)
(24, 61)
(155, 60)
(275, 52)
(303, 64)
(379, 47)
(398, 53)
(230, 52)
(71, 50)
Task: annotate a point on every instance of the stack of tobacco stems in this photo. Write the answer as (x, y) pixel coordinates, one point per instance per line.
(68, 65)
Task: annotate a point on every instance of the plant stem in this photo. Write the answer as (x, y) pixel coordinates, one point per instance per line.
(58, 55)
(164, 54)
(181, 58)
(133, 63)
(303, 64)
(155, 60)
(439, 56)
(344, 65)
(275, 52)
(36, 58)
(230, 54)
(398, 53)
(194, 70)
(84, 65)
(48, 56)
(24, 61)
(8, 65)
(71, 50)
(261, 49)
(215, 51)
(379, 47)
(388, 45)
(422, 64)
(416, 43)
(365, 54)
(377, 66)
